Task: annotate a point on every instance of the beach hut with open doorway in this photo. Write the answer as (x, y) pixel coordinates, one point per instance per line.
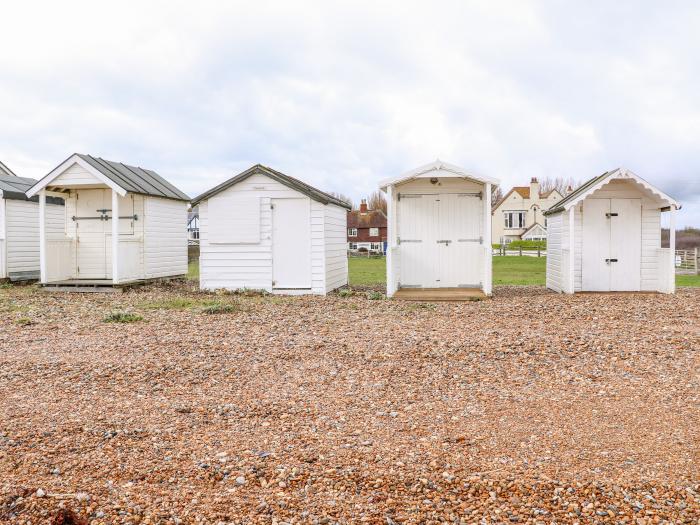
(605, 236)
(123, 224)
(265, 230)
(439, 233)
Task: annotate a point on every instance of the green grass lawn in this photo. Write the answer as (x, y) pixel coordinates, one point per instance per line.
(687, 280)
(506, 270)
(366, 272)
(514, 269)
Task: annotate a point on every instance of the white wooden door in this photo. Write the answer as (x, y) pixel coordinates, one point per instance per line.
(91, 245)
(595, 270)
(460, 243)
(419, 265)
(291, 244)
(611, 248)
(625, 244)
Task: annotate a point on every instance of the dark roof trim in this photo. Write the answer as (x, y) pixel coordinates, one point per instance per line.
(291, 182)
(578, 191)
(6, 171)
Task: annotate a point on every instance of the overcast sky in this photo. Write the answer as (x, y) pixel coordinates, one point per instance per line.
(343, 94)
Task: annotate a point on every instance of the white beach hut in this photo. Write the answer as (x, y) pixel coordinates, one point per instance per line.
(606, 236)
(265, 230)
(19, 226)
(148, 241)
(439, 231)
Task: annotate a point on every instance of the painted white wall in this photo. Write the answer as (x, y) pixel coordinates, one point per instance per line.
(651, 258)
(165, 237)
(336, 222)
(3, 269)
(236, 265)
(22, 235)
(76, 175)
(555, 227)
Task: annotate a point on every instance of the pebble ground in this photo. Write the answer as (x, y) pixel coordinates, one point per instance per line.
(528, 408)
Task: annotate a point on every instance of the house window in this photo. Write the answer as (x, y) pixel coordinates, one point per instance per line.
(352, 246)
(375, 246)
(374, 232)
(514, 219)
(352, 232)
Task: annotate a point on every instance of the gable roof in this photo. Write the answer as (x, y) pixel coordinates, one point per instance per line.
(14, 187)
(127, 178)
(534, 226)
(596, 183)
(524, 192)
(291, 182)
(441, 169)
(369, 219)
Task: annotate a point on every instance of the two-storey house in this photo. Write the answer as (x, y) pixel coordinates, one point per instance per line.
(366, 229)
(519, 214)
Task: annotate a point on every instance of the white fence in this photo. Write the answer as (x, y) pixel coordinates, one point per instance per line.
(522, 252)
(687, 261)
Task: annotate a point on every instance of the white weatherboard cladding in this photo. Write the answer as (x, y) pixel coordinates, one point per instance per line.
(22, 234)
(234, 219)
(335, 229)
(3, 269)
(165, 238)
(250, 265)
(652, 262)
(76, 175)
(555, 225)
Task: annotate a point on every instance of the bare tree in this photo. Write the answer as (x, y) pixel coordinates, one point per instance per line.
(377, 201)
(496, 194)
(343, 198)
(558, 183)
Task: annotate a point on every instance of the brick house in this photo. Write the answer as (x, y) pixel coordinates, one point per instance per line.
(366, 229)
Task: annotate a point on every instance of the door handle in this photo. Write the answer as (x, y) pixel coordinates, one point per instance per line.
(610, 260)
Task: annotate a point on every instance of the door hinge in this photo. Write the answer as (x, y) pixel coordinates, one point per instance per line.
(398, 241)
(398, 196)
(481, 195)
(272, 206)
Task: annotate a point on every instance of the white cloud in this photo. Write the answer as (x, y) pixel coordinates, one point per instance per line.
(344, 94)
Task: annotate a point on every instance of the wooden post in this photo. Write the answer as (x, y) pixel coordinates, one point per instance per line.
(488, 253)
(115, 237)
(520, 251)
(43, 274)
(696, 260)
(572, 249)
(391, 241)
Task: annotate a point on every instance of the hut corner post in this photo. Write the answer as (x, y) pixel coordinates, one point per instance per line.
(572, 249)
(391, 242)
(488, 256)
(42, 236)
(671, 287)
(115, 237)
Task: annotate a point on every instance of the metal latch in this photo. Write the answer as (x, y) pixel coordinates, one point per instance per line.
(610, 260)
(444, 241)
(608, 215)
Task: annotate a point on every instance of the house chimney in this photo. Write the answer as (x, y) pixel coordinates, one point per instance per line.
(534, 188)
(363, 206)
